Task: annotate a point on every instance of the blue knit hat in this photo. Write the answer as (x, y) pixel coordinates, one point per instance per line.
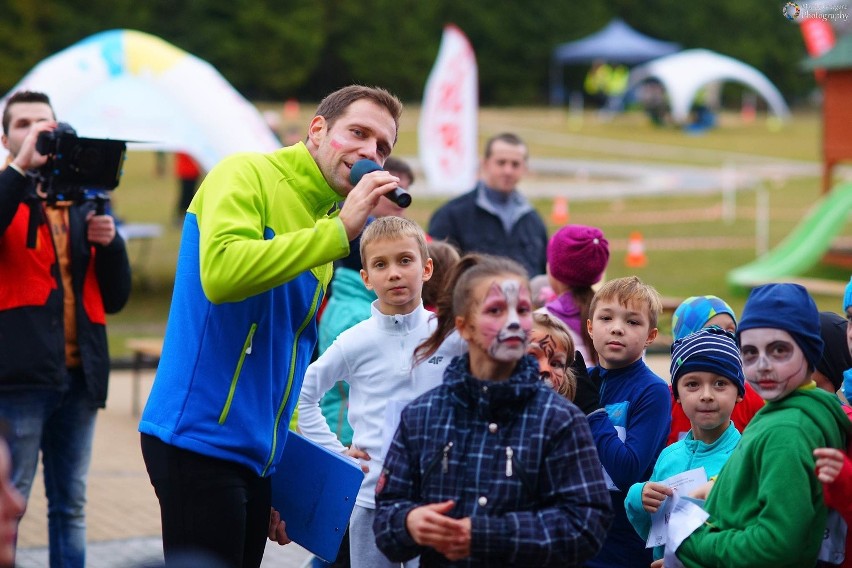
(788, 307)
(694, 312)
(847, 297)
(711, 349)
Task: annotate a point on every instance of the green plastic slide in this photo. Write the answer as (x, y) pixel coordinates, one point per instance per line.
(803, 248)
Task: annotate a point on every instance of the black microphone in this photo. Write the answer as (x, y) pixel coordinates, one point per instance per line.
(363, 167)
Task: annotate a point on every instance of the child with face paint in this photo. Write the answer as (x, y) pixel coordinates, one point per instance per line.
(552, 345)
(493, 467)
(766, 507)
(375, 359)
(630, 410)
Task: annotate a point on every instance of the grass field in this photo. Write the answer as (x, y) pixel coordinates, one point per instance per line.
(689, 248)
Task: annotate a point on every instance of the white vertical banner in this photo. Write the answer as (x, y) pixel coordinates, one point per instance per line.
(447, 133)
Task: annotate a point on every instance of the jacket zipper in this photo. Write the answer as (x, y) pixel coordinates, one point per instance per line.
(443, 458)
(445, 461)
(246, 351)
(292, 370)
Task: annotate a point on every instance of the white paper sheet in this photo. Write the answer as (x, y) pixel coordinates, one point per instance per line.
(682, 483)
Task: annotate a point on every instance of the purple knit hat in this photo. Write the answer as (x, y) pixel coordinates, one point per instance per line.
(578, 255)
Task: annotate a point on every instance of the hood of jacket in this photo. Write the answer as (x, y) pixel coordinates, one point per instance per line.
(824, 409)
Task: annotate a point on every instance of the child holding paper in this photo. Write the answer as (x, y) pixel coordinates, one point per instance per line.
(766, 508)
(707, 381)
(375, 358)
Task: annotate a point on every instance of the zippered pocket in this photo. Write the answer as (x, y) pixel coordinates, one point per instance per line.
(442, 459)
(515, 469)
(246, 351)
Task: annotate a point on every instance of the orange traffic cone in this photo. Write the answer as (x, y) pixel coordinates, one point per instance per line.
(636, 257)
(559, 215)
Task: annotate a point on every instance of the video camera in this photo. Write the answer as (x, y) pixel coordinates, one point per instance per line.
(76, 166)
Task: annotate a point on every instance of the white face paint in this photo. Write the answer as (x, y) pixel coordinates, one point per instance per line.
(511, 338)
(502, 324)
(773, 362)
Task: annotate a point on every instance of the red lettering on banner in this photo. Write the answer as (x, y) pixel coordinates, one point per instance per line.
(451, 106)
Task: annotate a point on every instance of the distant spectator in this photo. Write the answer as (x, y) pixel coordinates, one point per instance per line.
(494, 217)
(188, 173)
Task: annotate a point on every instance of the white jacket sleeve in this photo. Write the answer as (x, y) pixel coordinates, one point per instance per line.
(320, 377)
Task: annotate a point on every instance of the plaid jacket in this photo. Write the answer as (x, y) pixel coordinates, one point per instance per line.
(516, 457)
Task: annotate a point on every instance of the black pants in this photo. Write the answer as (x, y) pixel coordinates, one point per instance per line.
(208, 504)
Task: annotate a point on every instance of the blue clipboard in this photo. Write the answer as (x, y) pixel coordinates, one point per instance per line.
(314, 489)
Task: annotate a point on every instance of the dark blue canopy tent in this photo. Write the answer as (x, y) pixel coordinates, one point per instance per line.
(616, 43)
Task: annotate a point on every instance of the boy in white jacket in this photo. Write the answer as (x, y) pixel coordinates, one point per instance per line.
(375, 357)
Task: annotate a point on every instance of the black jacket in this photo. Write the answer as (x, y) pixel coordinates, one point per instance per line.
(464, 222)
(32, 334)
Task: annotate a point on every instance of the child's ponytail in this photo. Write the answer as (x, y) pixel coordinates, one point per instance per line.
(444, 309)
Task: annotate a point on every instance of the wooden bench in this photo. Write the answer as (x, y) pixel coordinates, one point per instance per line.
(146, 353)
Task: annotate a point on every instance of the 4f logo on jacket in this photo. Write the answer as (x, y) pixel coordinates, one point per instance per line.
(436, 360)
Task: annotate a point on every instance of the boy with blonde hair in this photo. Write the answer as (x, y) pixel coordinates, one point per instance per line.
(375, 357)
(631, 410)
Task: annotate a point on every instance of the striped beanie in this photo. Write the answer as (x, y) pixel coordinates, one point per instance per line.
(694, 312)
(713, 350)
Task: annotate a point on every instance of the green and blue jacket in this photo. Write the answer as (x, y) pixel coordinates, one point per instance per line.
(254, 263)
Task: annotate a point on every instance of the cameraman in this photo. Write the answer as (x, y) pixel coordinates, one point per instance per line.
(62, 267)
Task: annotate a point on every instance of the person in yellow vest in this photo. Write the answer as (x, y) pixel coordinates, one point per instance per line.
(596, 82)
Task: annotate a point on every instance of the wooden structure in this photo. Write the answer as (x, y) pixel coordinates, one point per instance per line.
(837, 106)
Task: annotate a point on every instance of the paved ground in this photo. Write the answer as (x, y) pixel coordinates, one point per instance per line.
(123, 516)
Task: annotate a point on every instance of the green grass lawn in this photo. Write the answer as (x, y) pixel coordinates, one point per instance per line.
(146, 197)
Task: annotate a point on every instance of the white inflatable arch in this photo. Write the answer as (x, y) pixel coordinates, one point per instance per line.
(129, 85)
(683, 74)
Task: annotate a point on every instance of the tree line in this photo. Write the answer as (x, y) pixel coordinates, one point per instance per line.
(275, 49)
